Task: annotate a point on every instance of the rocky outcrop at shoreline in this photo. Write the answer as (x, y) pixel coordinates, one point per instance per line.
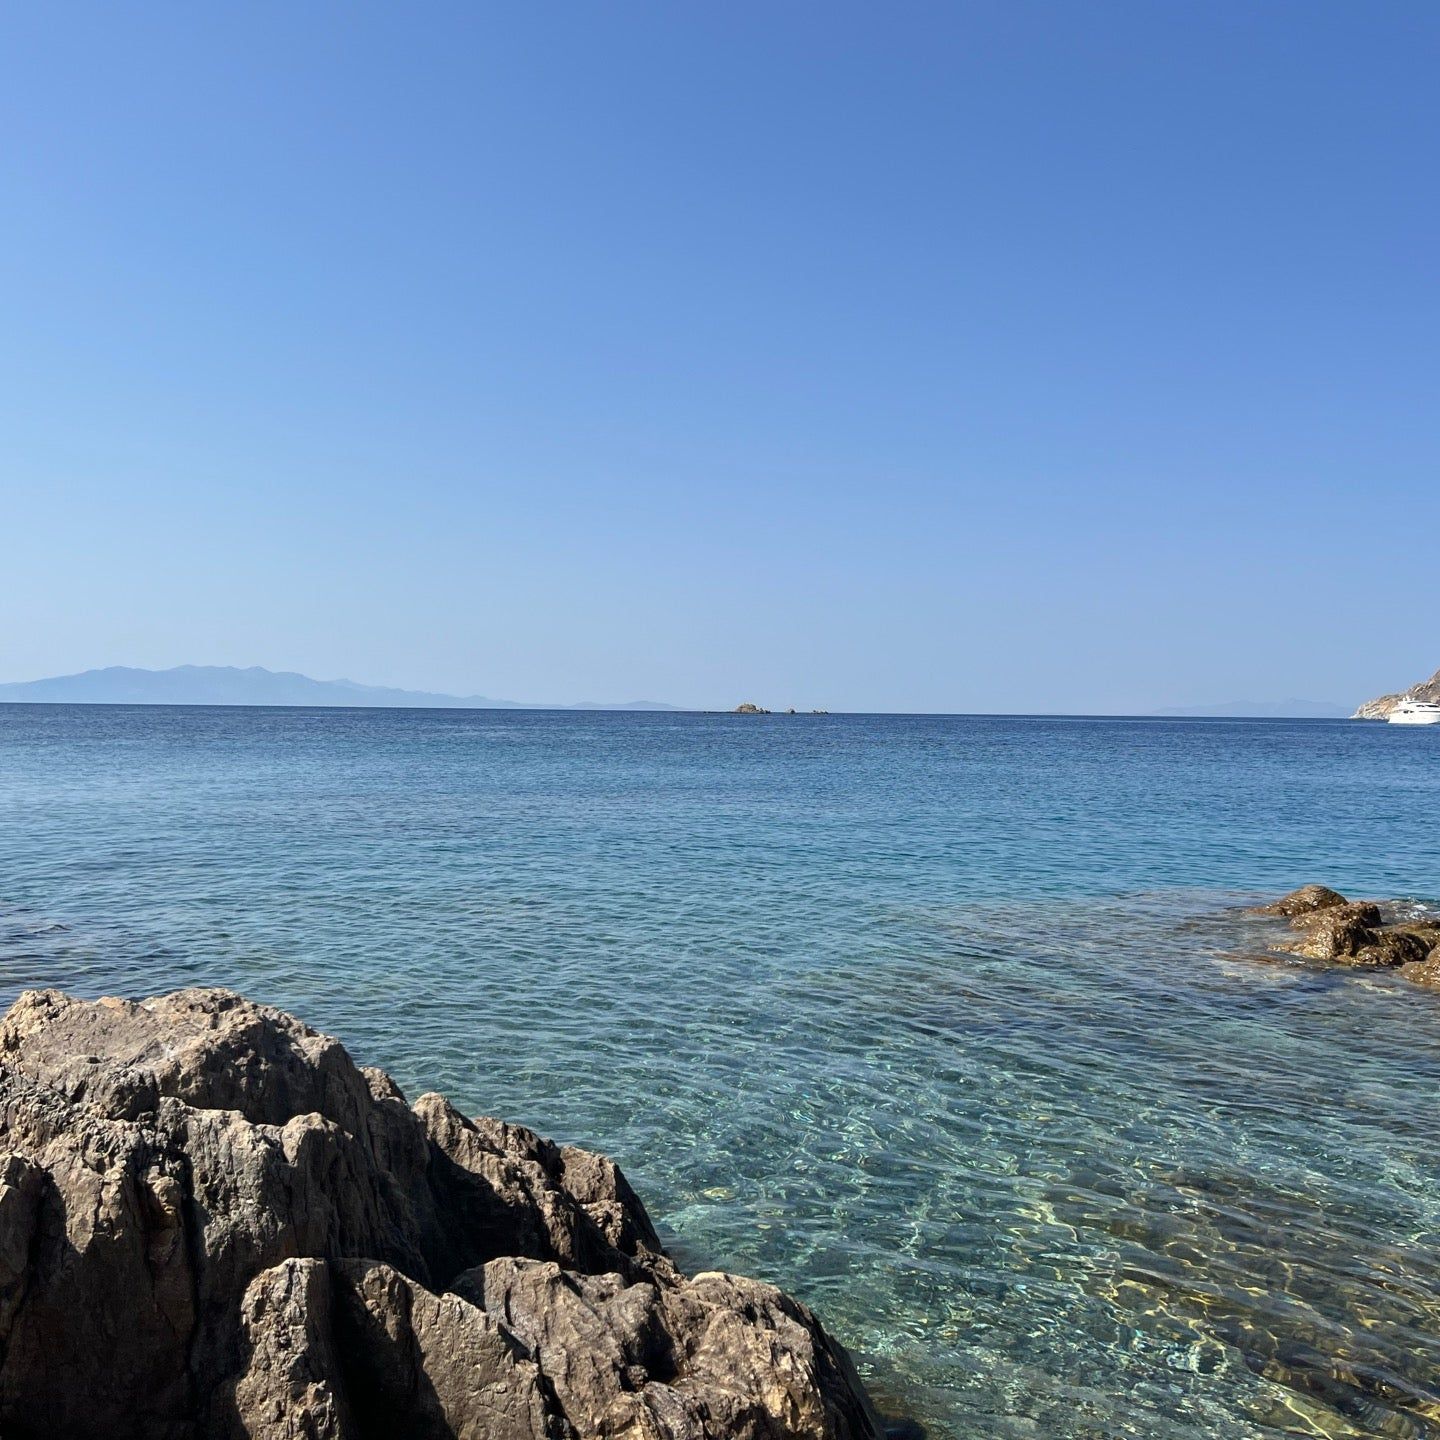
(1325, 926)
(213, 1223)
(1427, 691)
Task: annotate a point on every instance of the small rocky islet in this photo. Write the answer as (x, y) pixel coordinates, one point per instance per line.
(1326, 927)
(213, 1223)
(749, 707)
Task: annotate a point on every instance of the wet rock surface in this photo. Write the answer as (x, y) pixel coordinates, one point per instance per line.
(1329, 928)
(213, 1223)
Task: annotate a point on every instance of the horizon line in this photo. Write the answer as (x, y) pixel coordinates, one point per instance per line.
(519, 707)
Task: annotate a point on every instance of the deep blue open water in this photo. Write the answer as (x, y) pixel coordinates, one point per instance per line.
(946, 1024)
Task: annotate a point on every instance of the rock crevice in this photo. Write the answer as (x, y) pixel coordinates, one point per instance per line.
(213, 1223)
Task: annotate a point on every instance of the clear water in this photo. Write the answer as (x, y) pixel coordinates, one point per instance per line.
(943, 1023)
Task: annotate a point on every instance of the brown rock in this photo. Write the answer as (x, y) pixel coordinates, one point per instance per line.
(1341, 932)
(695, 1359)
(1353, 933)
(434, 1365)
(1426, 971)
(212, 1223)
(1304, 901)
(291, 1387)
(1392, 946)
(1427, 932)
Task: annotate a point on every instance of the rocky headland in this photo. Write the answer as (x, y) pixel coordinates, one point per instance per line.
(1379, 708)
(214, 1224)
(1324, 926)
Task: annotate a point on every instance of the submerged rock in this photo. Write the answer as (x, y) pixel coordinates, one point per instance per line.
(1426, 971)
(213, 1223)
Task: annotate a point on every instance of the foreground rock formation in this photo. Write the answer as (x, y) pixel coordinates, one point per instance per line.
(1380, 707)
(1325, 926)
(213, 1223)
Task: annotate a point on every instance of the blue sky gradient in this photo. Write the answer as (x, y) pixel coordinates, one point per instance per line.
(966, 356)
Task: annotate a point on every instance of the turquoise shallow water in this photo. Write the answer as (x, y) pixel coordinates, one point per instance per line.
(943, 1023)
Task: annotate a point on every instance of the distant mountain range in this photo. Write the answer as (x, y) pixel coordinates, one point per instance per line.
(227, 685)
(1264, 710)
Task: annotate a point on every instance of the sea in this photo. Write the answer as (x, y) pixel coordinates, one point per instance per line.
(954, 1026)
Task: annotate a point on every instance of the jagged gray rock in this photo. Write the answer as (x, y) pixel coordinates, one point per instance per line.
(213, 1223)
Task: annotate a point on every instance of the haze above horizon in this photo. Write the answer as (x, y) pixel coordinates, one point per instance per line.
(984, 357)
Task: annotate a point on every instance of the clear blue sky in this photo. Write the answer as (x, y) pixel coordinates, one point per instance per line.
(954, 356)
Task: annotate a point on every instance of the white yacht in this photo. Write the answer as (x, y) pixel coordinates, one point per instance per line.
(1415, 712)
